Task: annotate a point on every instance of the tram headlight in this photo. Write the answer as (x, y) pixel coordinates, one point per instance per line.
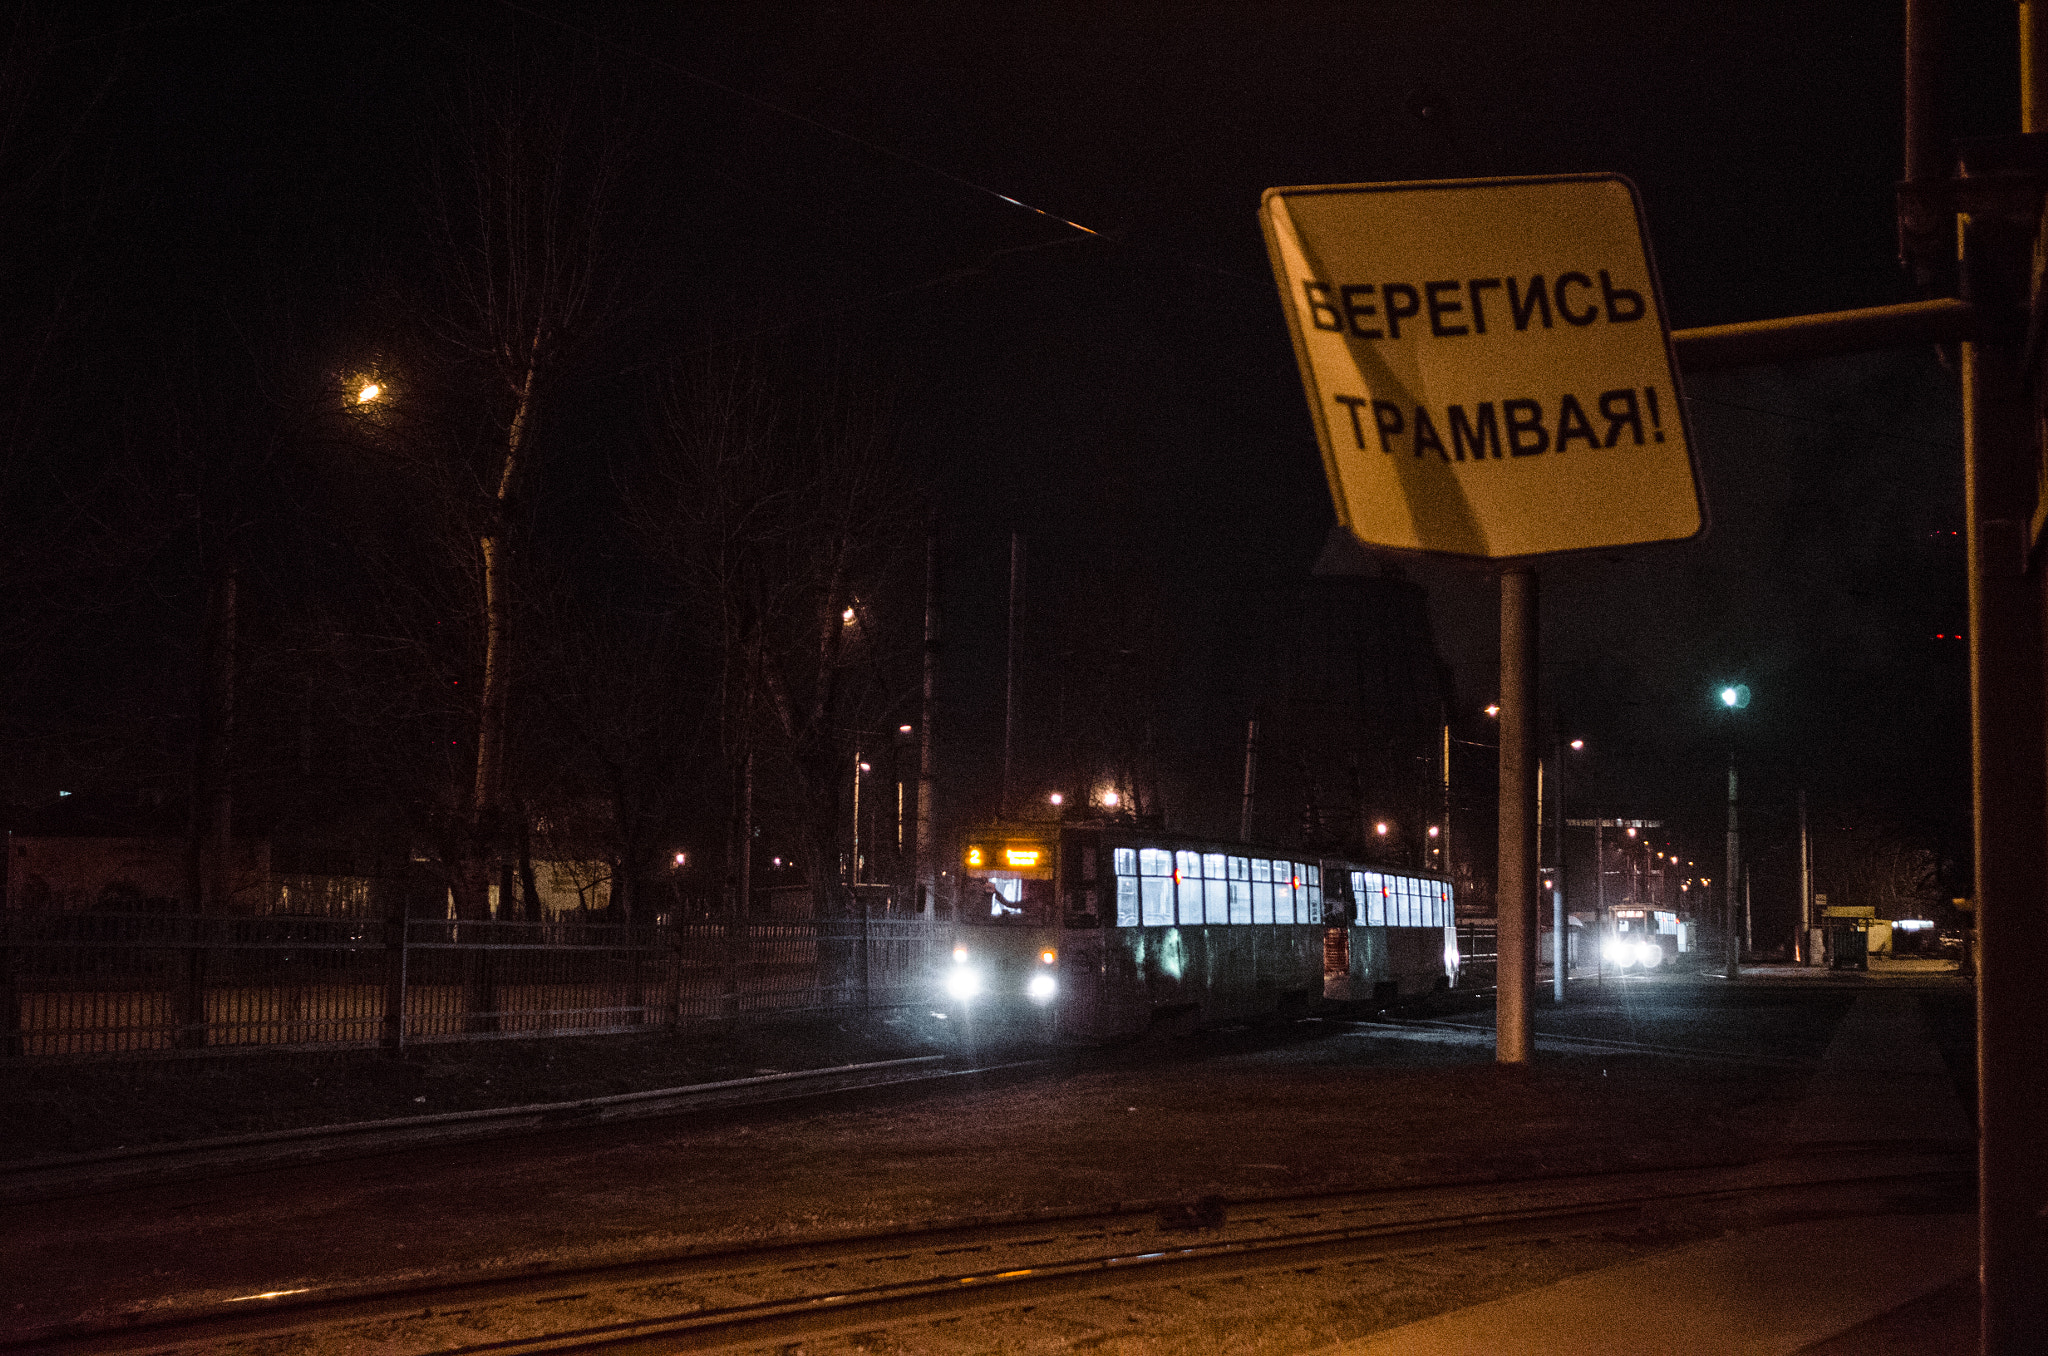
(1616, 950)
(1041, 988)
(963, 983)
(1650, 954)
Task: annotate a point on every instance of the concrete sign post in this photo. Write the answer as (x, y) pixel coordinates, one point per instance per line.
(1487, 362)
(1489, 369)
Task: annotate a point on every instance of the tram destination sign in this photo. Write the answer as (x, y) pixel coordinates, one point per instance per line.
(1488, 363)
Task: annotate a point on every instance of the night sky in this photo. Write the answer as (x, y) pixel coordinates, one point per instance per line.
(198, 189)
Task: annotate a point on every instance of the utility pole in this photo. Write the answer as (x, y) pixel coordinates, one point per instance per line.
(1559, 941)
(927, 858)
(1251, 764)
(1515, 893)
(1808, 952)
(1600, 901)
(1731, 946)
(1010, 668)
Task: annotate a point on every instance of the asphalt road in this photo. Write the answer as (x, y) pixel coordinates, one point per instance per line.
(1666, 1070)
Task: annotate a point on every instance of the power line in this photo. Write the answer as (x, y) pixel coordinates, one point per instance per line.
(783, 111)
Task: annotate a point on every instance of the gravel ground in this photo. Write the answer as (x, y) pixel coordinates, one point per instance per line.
(1241, 1114)
(52, 1109)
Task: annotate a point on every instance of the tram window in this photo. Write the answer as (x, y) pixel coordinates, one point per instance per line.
(1189, 864)
(1314, 891)
(1013, 902)
(1126, 899)
(1156, 893)
(1190, 901)
(1262, 869)
(1240, 898)
(1262, 895)
(1212, 866)
(1216, 899)
(1126, 860)
(1155, 862)
(1240, 868)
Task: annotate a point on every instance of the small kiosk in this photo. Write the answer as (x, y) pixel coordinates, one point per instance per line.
(1848, 935)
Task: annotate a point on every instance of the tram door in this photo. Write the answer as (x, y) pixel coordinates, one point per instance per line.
(1337, 963)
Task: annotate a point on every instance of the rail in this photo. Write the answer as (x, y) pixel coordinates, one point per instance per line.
(794, 1291)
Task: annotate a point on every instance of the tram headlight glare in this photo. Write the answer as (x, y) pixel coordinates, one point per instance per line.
(1041, 988)
(963, 983)
(1614, 950)
(959, 955)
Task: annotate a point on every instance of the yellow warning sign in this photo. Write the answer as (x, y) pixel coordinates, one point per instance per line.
(1488, 363)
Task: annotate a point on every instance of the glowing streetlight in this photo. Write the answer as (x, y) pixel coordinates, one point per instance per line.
(1493, 710)
(1735, 696)
(1109, 799)
(1057, 799)
(371, 390)
(1380, 828)
(1579, 745)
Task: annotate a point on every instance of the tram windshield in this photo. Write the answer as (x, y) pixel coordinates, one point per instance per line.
(1007, 901)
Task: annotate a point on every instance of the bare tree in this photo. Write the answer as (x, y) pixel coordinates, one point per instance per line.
(782, 521)
(530, 275)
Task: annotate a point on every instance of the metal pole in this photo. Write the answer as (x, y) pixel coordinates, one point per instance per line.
(1444, 858)
(1600, 902)
(853, 867)
(1251, 763)
(1515, 896)
(1806, 946)
(2006, 755)
(1560, 948)
(927, 861)
(1731, 944)
(1010, 667)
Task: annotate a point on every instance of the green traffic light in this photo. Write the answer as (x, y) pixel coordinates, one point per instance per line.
(1735, 696)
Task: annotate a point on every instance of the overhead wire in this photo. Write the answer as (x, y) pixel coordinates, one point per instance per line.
(782, 110)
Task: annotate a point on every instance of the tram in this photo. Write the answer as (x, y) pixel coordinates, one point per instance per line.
(1093, 931)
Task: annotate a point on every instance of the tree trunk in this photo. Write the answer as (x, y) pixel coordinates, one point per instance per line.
(208, 858)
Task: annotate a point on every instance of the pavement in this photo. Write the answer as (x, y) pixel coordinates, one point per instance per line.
(1869, 1286)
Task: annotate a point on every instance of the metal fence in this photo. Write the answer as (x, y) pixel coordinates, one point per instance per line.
(1478, 954)
(85, 984)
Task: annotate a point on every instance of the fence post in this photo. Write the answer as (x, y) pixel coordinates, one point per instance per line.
(191, 1034)
(10, 996)
(865, 993)
(394, 982)
(735, 927)
(673, 965)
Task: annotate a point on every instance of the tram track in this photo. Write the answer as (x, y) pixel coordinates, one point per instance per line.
(787, 1291)
(122, 1169)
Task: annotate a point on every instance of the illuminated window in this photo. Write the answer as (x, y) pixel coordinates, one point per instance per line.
(1240, 898)
(1216, 898)
(1155, 862)
(1189, 864)
(1126, 899)
(1262, 890)
(1156, 897)
(1376, 899)
(1313, 876)
(1126, 861)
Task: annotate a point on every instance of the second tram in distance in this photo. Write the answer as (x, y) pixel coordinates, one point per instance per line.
(1098, 930)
